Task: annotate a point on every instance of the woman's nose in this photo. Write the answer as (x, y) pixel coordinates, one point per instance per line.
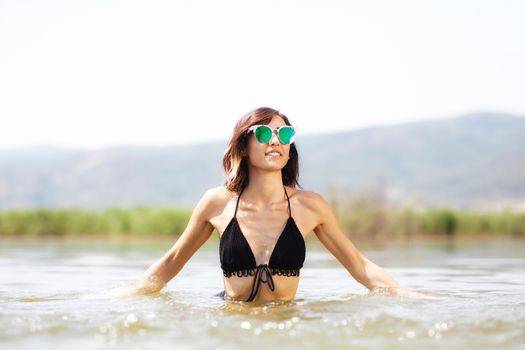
(275, 139)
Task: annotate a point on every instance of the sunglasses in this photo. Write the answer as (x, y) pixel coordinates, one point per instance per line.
(263, 133)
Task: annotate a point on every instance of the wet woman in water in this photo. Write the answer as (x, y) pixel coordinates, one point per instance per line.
(263, 220)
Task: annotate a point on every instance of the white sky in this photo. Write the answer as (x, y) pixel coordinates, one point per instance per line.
(98, 73)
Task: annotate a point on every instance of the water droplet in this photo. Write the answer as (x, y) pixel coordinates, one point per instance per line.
(246, 325)
(410, 334)
(269, 325)
(358, 324)
(132, 318)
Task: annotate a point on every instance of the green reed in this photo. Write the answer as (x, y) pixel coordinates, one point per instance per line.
(364, 218)
(360, 218)
(134, 221)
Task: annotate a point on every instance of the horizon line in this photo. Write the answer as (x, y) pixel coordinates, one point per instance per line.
(4, 148)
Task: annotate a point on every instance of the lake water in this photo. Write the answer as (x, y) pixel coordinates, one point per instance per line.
(66, 296)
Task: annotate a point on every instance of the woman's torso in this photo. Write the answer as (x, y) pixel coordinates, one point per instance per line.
(262, 227)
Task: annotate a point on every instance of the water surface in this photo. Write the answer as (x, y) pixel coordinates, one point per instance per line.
(68, 296)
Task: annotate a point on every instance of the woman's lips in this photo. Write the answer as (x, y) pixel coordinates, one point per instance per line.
(273, 154)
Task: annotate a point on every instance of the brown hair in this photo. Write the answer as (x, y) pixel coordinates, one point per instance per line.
(234, 161)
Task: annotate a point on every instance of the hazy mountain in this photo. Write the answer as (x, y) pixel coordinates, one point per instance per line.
(469, 161)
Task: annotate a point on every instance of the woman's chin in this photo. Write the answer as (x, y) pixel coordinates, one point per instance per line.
(271, 167)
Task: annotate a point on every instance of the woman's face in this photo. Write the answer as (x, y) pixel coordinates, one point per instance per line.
(271, 156)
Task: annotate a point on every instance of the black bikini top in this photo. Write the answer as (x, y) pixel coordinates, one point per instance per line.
(237, 257)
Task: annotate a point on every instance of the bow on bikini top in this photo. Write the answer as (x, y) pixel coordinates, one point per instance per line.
(237, 257)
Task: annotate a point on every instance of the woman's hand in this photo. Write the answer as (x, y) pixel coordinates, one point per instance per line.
(399, 292)
(148, 284)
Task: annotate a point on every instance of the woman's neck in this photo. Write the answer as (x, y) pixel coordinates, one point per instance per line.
(264, 187)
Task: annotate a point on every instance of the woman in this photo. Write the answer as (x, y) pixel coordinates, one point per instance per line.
(263, 220)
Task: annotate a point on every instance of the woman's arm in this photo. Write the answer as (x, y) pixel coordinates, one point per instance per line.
(330, 234)
(196, 233)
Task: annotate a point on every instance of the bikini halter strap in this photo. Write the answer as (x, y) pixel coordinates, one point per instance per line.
(289, 206)
(237, 205)
(287, 198)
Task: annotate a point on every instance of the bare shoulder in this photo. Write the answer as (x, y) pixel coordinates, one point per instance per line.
(309, 200)
(310, 209)
(217, 196)
(214, 200)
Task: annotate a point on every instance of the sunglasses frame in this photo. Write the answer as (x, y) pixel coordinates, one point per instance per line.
(274, 131)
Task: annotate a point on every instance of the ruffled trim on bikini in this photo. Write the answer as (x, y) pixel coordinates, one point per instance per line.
(251, 272)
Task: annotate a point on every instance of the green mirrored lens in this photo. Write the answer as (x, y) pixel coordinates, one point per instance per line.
(285, 134)
(263, 134)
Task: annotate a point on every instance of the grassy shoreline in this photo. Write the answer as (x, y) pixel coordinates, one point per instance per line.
(360, 221)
